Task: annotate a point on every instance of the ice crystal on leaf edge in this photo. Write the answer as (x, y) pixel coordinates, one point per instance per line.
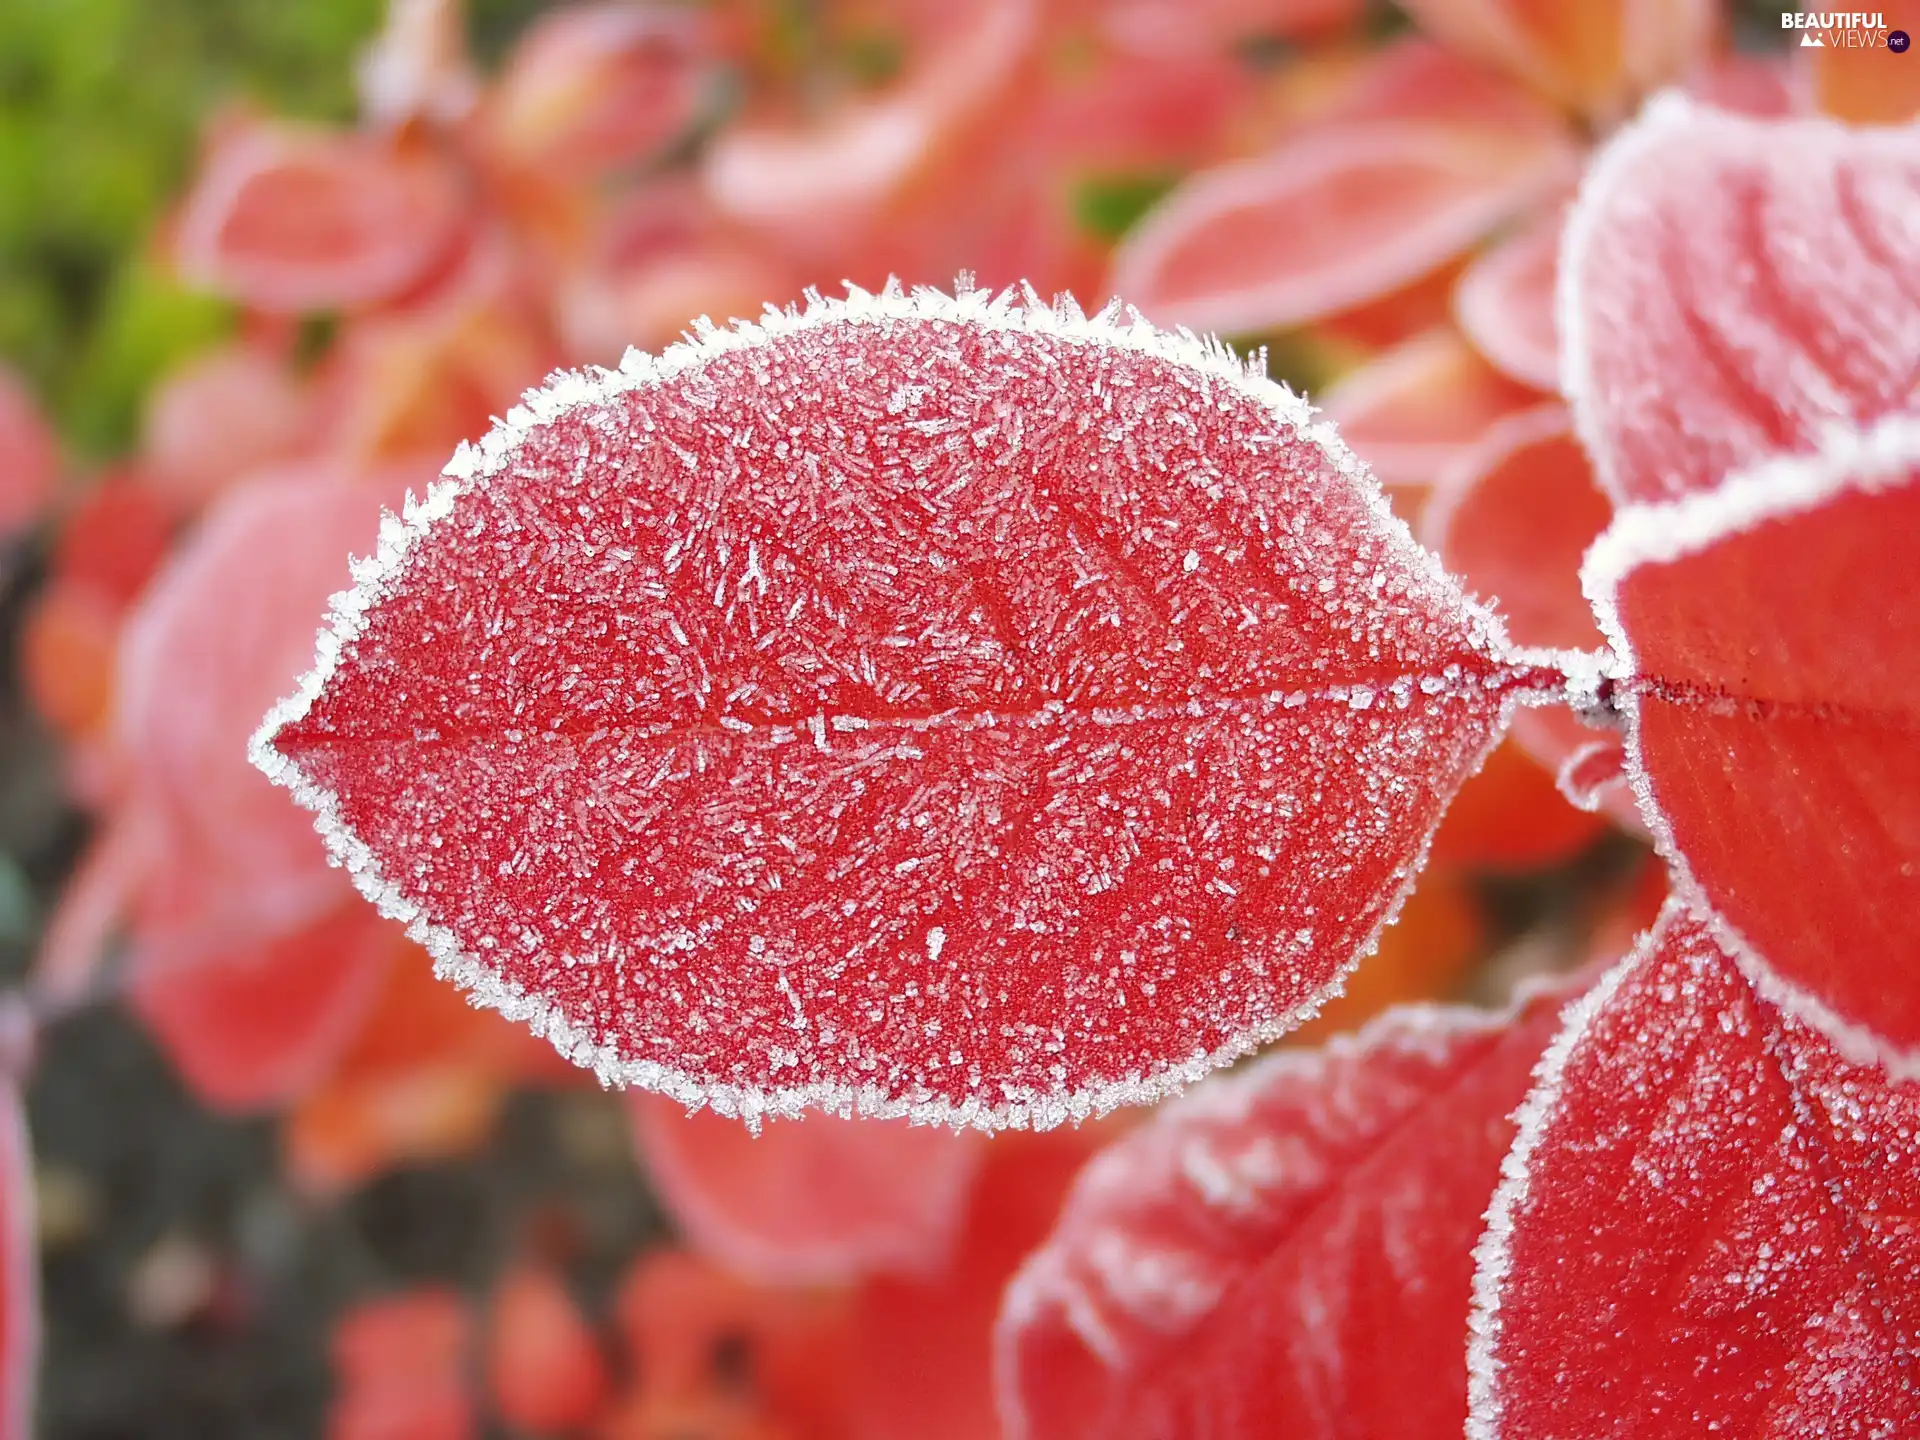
(1577, 677)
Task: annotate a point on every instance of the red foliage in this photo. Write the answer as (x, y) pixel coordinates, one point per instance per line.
(1285, 1252)
(19, 1257)
(545, 1371)
(1703, 1228)
(1421, 163)
(967, 709)
(829, 754)
(1754, 713)
(401, 1364)
(291, 220)
(814, 1199)
(29, 457)
(1699, 339)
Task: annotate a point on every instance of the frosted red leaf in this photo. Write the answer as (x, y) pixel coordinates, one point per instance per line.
(807, 1201)
(545, 1369)
(291, 220)
(29, 456)
(704, 723)
(1765, 632)
(1413, 412)
(1505, 304)
(1592, 55)
(1286, 1251)
(1733, 288)
(19, 1270)
(1705, 1225)
(594, 87)
(1340, 215)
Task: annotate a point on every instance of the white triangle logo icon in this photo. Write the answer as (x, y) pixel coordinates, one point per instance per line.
(1814, 40)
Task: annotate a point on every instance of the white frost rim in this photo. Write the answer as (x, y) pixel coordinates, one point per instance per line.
(1045, 1279)
(473, 466)
(1492, 1256)
(1870, 461)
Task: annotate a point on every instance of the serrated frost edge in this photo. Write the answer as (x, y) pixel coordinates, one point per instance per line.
(1042, 1278)
(1658, 533)
(472, 465)
(1492, 1256)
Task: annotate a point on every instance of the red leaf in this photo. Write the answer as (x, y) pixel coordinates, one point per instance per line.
(256, 1019)
(826, 183)
(1286, 1251)
(1338, 216)
(716, 1355)
(922, 1355)
(1504, 303)
(252, 575)
(1765, 631)
(594, 87)
(114, 540)
(809, 1201)
(290, 220)
(29, 457)
(1735, 286)
(544, 1365)
(19, 1271)
(218, 418)
(1513, 519)
(401, 1363)
(1703, 1227)
(848, 810)
(1413, 412)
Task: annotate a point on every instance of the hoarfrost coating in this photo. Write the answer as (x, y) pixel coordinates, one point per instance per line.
(833, 713)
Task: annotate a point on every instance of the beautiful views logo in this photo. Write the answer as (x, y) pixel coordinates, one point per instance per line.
(1844, 29)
